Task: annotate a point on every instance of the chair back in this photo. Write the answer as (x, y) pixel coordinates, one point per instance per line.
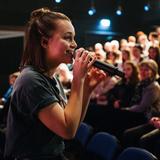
(103, 145)
(135, 153)
(83, 133)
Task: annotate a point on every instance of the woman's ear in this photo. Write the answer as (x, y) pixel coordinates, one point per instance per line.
(44, 42)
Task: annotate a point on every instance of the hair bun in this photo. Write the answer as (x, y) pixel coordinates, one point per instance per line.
(39, 12)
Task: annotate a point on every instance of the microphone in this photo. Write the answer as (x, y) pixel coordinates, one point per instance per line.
(106, 67)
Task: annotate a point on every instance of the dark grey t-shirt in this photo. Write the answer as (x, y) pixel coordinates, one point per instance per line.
(26, 135)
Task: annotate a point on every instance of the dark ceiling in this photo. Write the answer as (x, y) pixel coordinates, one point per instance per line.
(16, 13)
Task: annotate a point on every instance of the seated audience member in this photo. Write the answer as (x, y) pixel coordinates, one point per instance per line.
(147, 99)
(144, 43)
(144, 104)
(99, 94)
(151, 140)
(5, 100)
(107, 47)
(153, 39)
(99, 52)
(146, 136)
(6, 96)
(65, 76)
(132, 39)
(158, 32)
(122, 93)
(123, 44)
(126, 56)
(154, 53)
(113, 58)
(137, 54)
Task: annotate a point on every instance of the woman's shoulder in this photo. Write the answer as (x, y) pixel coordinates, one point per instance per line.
(153, 86)
(29, 76)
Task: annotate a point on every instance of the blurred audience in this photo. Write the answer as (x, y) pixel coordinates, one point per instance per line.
(122, 93)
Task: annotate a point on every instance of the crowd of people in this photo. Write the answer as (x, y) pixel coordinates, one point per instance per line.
(51, 95)
(129, 106)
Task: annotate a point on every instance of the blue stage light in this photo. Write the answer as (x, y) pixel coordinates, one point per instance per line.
(58, 1)
(105, 23)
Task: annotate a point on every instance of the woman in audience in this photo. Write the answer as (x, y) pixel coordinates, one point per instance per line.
(121, 95)
(137, 54)
(144, 104)
(147, 99)
(148, 102)
(151, 140)
(154, 53)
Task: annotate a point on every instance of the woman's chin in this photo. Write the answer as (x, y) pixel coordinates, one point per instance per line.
(69, 60)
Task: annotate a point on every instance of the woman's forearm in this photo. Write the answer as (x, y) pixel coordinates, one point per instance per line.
(73, 110)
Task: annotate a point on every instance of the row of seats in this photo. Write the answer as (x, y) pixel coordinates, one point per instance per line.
(104, 146)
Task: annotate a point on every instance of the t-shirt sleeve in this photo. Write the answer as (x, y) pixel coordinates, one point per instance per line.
(33, 93)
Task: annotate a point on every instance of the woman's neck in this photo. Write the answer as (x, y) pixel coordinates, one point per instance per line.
(50, 72)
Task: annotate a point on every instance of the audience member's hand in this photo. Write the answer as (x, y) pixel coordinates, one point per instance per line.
(157, 124)
(155, 121)
(116, 104)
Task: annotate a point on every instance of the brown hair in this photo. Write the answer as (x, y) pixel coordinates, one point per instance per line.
(42, 24)
(134, 79)
(152, 65)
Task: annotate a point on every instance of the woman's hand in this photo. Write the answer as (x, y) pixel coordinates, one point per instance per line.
(93, 78)
(82, 64)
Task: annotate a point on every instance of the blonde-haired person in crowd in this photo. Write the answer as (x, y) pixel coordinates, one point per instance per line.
(146, 135)
(107, 47)
(40, 116)
(131, 41)
(123, 44)
(147, 99)
(153, 39)
(144, 43)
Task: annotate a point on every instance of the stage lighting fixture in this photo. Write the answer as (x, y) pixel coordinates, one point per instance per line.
(119, 11)
(146, 7)
(58, 1)
(91, 11)
(105, 23)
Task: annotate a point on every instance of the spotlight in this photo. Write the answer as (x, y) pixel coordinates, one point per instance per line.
(105, 23)
(146, 7)
(91, 11)
(58, 1)
(119, 11)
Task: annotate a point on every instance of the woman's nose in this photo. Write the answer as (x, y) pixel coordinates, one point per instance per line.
(74, 44)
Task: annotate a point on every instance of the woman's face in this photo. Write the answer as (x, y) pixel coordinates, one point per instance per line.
(145, 72)
(128, 70)
(61, 45)
(136, 52)
(125, 55)
(152, 53)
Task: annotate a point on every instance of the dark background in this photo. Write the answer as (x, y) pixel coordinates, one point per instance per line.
(14, 15)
